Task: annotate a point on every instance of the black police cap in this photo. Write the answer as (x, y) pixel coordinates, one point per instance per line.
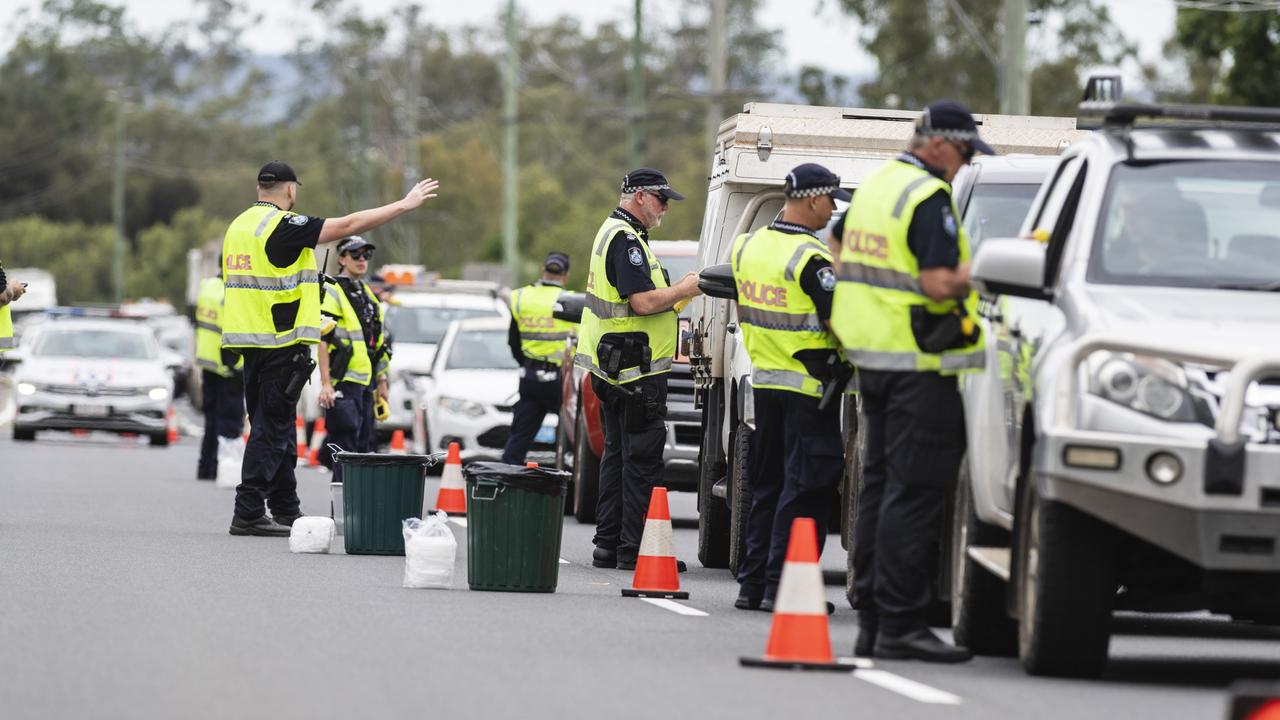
(353, 243)
(556, 262)
(812, 180)
(950, 119)
(649, 180)
(276, 171)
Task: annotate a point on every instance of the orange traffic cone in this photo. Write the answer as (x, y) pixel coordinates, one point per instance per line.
(799, 639)
(397, 444)
(300, 433)
(317, 441)
(171, 420)
(656, 572)
(452, 497)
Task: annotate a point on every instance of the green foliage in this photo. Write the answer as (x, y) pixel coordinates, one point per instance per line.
(1234, 57)
(77, 255)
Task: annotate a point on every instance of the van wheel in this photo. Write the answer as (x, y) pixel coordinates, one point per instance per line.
(978, 618)
(713, 512)
(739, 495)
(24, 435)
(158, 439)
(563, 453)
(1066, 588)
(854, 440)
(586, 474)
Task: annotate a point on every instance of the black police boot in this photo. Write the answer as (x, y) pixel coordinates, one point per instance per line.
(680, 566)
(865, 645)
(767, 606)
(626, 563)
(260, 527)
(604, 558)
(748, 599)
(920, 645)
(286, 519)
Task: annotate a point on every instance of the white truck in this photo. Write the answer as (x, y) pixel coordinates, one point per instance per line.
(754, 151)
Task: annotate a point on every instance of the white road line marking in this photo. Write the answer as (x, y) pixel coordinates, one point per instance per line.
(563, 561)
(907, 688)
(675, 607)
(460, 522)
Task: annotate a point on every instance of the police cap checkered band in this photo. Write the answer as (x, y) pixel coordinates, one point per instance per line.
(649, 180)
(953, 121)
(813, 180)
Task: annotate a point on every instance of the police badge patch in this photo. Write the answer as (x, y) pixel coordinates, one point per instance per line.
(827, 278)
(298, 219)
(949, 222)
(635, 256)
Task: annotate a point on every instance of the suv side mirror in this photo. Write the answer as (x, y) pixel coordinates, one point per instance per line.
(717, 282)
(569, 307)
(1010, 266)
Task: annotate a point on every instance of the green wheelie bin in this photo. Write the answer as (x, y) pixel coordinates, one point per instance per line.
(378, 492)
(515, 518)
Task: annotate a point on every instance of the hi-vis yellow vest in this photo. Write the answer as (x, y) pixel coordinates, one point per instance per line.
(267, 306)
(209, 328)
(879, 278)
(6, 329)
(348, 333)
(607, 312)
(542, 336)
(777, 316)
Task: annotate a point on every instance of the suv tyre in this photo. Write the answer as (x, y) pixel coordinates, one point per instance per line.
(739, 494)
(978, 618)
(586, 473)
(713, 512)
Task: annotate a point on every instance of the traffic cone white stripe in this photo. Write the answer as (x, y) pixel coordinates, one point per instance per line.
(657, 539)
(800, 590)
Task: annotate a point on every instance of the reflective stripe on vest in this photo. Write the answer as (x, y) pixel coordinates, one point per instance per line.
(255, 287)
(608, 313)
(879, 277)
(778, 318)
(542, 335)
(209, 303)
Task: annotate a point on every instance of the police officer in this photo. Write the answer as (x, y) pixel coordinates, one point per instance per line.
(271, 315)
(221, 378)
(627, 340)
(905, 313)
(537, 341)
(353, 353)
(10, 290)
(785, 287)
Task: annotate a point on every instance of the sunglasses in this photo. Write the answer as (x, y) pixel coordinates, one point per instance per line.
(662, 199)
(360, 254)
(965, 149)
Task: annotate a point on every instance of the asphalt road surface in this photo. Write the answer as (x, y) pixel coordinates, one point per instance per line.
(123, 596)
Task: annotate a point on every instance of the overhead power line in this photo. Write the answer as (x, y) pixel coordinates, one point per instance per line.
(1229, 5)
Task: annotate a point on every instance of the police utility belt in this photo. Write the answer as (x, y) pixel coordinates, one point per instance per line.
(540, 371)
(623, 350)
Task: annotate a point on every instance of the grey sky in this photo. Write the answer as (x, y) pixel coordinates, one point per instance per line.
(826, 39)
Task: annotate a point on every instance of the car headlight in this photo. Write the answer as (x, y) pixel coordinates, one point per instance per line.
(158, 393)
(26, 388)
(1152, 386)
(459, 406)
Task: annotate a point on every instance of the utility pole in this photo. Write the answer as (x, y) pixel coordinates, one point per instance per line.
(117, 204)
(366, 168)
(510, 107)
(1015, 96)
(636, 92)
(716, 68)
(413, 68)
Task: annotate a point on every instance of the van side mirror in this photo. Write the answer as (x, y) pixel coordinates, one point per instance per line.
(717, 281)
(569, 307)
(1010, 266)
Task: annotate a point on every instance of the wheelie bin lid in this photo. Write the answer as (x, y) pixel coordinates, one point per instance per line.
(355, 458)
(544, 481)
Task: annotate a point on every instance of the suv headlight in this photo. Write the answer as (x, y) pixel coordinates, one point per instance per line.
(459, 406)
(26, 388)
(158, 393)
(1149, 385)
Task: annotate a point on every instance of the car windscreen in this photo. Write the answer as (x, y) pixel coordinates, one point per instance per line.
(1206, 224)
(480, 350)
(427, 324)
(83, 343)
(997, 210)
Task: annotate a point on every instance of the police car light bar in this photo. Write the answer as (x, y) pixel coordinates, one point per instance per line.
(1124, 115)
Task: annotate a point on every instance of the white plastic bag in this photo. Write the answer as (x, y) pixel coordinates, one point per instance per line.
(311, 534)
(230, 459)
(429, 552)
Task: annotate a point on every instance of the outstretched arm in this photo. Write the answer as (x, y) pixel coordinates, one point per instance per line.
(365, 220)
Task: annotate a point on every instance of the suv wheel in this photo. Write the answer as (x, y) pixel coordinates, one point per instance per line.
(159, 439)
(586, 474)
(739, 495)
(978, 617)
(24, 435)
(1066, 588)
(713, 512)
(563, 453)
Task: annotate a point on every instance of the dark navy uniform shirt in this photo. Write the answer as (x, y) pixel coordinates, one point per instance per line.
(291, 236)
(625, 264)
(817, 279)
(933, 235)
